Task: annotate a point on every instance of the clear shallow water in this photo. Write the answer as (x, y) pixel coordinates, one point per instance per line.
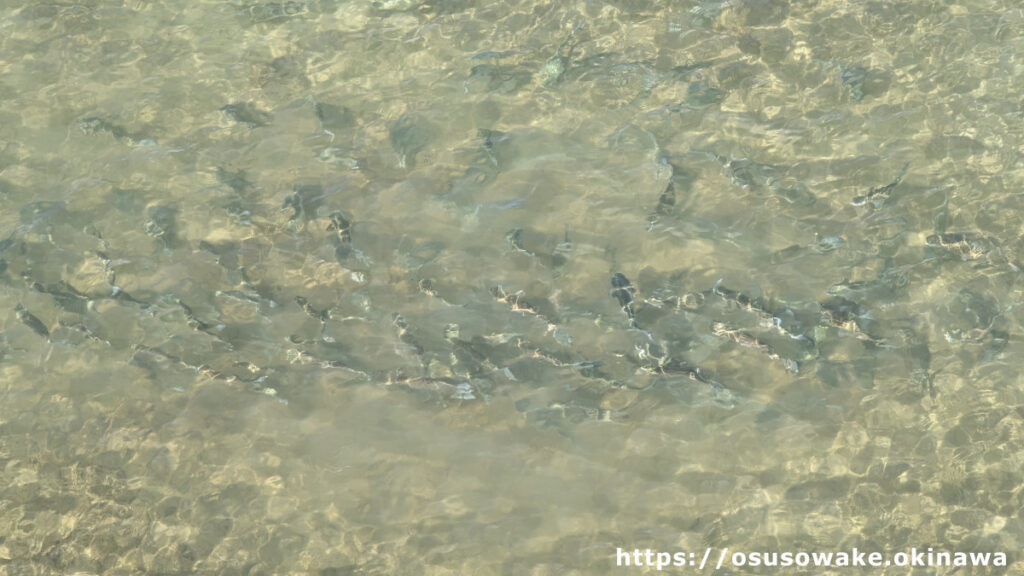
(449, 188)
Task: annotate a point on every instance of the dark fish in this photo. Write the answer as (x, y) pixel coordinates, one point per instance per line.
(701, 95)
(849, 316)
(557, 358)
(340, 225)
(93, 125)
(162, 224)
(500, 78)
(848, 287)
(769, 314)
(65, 295)
(405, 334)
(654, 359)
(740, 300)
(486, 161)
(408, 138)
(195, 323)
(247, 113)
(562, 250)
(483, 355)
(226, 251)
(82, 329)
(547, 249)
(426, 285)
(155, 361)
(786, 254)
(32, 321)
(127, 199)
(552, 71)
(240, 295)
(762, 178)
(123, 296)
(840, 310)
(515, 241)
(678, 182)
(234, 180)
(342, 237)
(750, 341)
(305, 200)
(966, 246)
(667, 200)
(821, 246)
(40, 211)
(489, 139)
(264, 291)
(624, 292)
(997, 343)
(517, 301)
(974, 316)
(827, 244)
(492, 54)
(468, 357)
(294, 202)
(259, 12)
(879, 195)
(942, 217)
(7, 242)
(246, 371)
(333, 118)
(320, 315)
(853, 78)
(32, 283)
(861, 81)
(669, 297)
(747, 174)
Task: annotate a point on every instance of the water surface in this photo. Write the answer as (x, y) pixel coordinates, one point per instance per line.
(327, 287)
